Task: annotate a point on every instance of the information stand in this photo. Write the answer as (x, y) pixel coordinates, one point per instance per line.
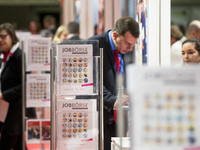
(36, 93)
(164, 108)
(76, 96)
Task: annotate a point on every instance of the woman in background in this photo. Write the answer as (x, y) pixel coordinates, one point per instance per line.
(11, 88)
(61, 34)
(191, 51)
(34, 27)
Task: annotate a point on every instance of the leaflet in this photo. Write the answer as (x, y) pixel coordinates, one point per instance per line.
(77, 124)
(38, 54)
(38, 90)
(165, 107)
(75, 68)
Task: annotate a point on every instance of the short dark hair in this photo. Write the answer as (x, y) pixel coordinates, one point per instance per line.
(125, 24)
(195, 42)
(73, 27)
(9, 28)
(51, 20)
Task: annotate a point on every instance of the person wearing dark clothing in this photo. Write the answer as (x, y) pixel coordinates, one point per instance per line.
(11, 88)
(120, 40)
(73, 29)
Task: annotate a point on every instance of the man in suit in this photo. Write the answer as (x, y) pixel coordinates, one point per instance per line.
(121, 40)
(73, 29)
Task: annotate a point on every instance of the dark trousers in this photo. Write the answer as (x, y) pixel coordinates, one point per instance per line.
(109, 131)
(9, 142)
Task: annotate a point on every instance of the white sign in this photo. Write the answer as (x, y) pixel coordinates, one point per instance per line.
(38, 90)
(75, 69)
(38, 54)
(77, 125)
(165, 108)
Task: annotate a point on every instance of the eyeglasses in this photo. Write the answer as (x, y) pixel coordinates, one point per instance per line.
(3, 36)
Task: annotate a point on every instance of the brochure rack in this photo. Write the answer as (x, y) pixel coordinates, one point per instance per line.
(36, 93)
(76, 93)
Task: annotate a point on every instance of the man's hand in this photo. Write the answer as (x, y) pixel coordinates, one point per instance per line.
(125, 101)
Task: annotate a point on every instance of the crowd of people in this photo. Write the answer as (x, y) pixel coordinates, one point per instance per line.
(181, 53)
(115, 43)
(50, 29)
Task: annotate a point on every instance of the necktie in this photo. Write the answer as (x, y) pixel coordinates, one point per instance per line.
(117, 61)
(5, 55)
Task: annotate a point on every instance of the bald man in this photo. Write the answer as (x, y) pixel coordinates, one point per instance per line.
(193, 30)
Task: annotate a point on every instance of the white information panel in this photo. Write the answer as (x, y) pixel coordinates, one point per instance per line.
(38, 51)
(77, 124)
(75, 68)
(38, 90)
(165, 106)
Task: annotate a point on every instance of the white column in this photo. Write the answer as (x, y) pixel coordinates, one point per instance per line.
(68, 11)
(112, 13)
(165, 31)
(158, 32)
(117, 10)
(86, 19)
(108, 15)
(153, 54)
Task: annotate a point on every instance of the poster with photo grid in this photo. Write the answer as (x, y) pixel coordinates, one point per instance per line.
(38, 54)
(75, 69)
(165, 108)
(77, 124)
(38, 90)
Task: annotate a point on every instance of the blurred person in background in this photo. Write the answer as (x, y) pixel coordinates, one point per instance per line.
(11, 88)
(191, 51)
(177, 38)
(61, 34)
(34, 27)
(49, 23)
(74, 32)
(193, 30)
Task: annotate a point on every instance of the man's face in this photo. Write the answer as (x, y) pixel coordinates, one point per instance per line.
(124, 44)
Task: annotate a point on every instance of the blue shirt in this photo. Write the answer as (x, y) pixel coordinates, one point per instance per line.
(113, 47)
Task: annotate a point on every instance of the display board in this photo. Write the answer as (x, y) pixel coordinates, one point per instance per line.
(77, 124)
(38, 54)
(76, 95)
(164, 108)
(75, 68)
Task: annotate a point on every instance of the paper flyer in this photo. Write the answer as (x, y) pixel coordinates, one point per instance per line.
(75, 69)
(33, 131)
(165, 108)
(46, 131)
(38, 54)
(38, 90)
(77, 125)
(38, 131)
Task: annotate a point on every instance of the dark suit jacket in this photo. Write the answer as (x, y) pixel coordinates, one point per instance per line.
(109, 76)
(11, 86)
(76, 37)
(109, 89)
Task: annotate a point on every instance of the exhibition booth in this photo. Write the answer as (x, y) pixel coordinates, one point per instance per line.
(63, 88)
